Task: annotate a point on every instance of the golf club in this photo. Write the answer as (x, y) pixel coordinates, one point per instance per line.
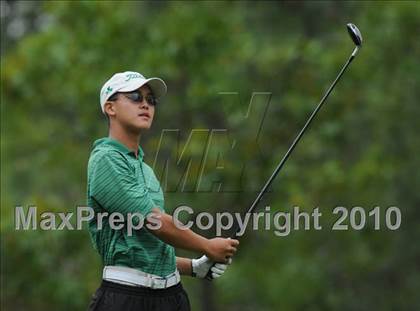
(356, 36)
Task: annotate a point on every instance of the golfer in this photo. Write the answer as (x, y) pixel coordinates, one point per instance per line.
(141, 271)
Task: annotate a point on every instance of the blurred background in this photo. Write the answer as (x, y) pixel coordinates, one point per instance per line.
(363, 150)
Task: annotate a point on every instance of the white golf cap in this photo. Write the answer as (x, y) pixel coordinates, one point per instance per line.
(130, 81)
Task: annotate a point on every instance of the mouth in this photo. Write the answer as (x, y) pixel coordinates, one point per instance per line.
(144, 115)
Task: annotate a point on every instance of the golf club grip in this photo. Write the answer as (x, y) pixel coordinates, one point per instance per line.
(208, 275)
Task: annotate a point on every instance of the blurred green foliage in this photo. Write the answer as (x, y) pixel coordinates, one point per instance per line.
(362, 151)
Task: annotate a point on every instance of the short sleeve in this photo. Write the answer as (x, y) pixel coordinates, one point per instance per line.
(114, 185)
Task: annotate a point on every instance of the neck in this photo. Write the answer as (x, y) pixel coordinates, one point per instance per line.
(130, 139)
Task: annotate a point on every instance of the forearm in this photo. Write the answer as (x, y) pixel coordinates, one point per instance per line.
(179, 238)
(184, 265)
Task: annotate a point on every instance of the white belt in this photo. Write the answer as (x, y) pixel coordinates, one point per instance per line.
(134, 277)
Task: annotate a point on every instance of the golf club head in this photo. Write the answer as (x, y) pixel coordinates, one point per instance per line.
(355, 34)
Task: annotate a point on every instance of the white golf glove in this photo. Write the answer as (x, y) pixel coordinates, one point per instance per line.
(201, 266)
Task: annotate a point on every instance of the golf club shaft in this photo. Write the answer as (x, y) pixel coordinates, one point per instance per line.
(296, 140)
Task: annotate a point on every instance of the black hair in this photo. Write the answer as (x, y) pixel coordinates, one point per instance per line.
(112, 98)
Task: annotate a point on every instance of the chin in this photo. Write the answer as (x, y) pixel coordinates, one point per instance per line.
(144, 126)
(138, 127)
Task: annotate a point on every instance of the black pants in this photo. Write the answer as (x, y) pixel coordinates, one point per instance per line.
(112, 296)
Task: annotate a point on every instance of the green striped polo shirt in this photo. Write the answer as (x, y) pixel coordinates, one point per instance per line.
(120, 182)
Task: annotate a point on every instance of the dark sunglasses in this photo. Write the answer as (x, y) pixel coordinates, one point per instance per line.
(137, 97)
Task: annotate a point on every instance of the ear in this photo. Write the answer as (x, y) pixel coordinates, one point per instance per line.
(109, 108)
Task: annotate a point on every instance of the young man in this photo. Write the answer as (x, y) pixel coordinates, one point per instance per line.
(141, 271)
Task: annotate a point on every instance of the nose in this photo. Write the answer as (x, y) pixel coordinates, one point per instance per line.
(144, 104)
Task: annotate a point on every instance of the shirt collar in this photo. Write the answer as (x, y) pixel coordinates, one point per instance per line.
(118, 146)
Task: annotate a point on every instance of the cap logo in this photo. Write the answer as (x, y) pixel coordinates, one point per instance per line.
(108, 90)
(130, 76)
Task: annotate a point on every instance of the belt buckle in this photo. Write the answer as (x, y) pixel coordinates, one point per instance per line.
(158, 283)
